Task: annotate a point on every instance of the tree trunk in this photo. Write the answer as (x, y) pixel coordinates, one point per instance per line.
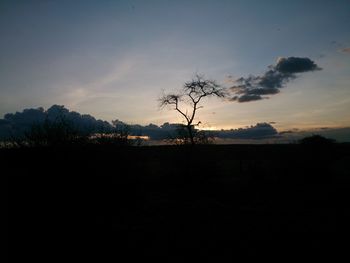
(190, 133)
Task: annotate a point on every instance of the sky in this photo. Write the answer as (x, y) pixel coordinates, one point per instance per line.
(113, 59)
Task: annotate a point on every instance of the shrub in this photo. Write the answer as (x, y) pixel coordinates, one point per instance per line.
(50, 133)
(316, 140)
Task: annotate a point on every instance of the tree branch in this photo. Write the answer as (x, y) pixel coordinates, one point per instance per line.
(195, 91)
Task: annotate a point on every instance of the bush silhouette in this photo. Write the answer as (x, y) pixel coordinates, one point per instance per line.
(50, 133)
(182, 136)
(316, 140)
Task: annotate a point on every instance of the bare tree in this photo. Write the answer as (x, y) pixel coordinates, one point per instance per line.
(191, 95)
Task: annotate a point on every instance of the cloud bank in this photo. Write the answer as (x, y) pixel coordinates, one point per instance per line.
(170, 130)
(259, 131)
(254, 88)
(16, 124)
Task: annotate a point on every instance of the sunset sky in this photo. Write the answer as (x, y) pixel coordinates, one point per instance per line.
(112, 59)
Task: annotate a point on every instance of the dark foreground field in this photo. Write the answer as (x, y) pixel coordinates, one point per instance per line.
(95, 202)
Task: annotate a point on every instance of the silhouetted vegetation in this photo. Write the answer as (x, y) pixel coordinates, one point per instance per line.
(162, 200)
(15, 126)
(55, 125)
(191, 94)
(316, 140)
(52, 133)
(62, 132)
(118, 137)
(182, 137)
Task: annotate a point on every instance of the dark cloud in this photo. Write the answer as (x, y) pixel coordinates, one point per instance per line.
(246, 98)
(286, 132)
(260, 91)
(170, 130)
(155, 132)
(254, 88)
(259, 131)
(16, 124)
(294, 65)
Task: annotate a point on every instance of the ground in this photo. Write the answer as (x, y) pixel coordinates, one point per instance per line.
(213, 200)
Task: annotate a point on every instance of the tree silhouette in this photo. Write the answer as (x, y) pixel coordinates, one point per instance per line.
(191, 95)
(52, 133)
(316, 140)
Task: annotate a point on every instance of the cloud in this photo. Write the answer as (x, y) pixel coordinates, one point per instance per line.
(286, 132)
(246, 98)
(259, 131)
(254, 88)
(294, 65)
(170, 130)
(16, 124)
(345, 50)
